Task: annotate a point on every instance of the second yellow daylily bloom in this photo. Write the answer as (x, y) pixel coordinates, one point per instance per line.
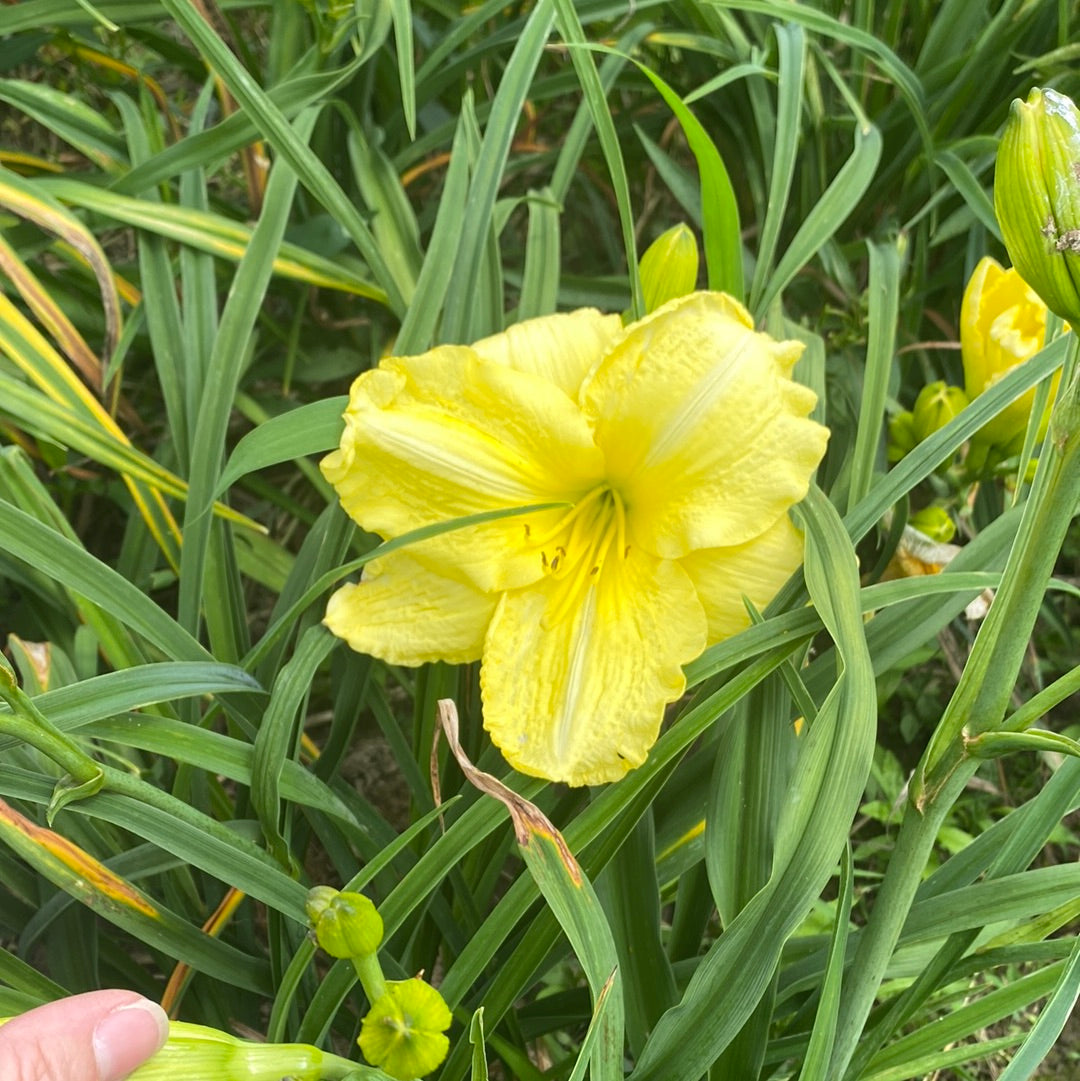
(677, 445)
(1002, 324)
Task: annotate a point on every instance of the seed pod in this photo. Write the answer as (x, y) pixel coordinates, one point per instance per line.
(345, 924)
(403, 1031)
(1037, 197)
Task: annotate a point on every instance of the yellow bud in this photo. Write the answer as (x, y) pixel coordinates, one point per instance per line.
(935, 406)
(345, 924)
(1037, 197)
(669, 267)
(403, 1031)
(1002, 324)
(934, 522)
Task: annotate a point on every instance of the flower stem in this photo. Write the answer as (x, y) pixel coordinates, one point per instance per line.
(28, 724)
(371, 976)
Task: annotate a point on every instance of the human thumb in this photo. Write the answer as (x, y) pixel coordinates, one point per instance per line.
(99, 1036)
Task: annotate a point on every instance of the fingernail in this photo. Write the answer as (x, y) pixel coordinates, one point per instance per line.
(127, 1037)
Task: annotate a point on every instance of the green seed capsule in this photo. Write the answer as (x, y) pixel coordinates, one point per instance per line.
(1037, 197)
(403, 1031)
(345, 924)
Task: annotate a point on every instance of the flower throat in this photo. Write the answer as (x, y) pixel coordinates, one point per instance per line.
(573, 551)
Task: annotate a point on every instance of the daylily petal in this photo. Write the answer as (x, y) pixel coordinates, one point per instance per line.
(447, 434)
(1002, 324)
(406, 614)
(988, 272)
(755, 570)
(575, 686)
(707, 437)
(561, 348)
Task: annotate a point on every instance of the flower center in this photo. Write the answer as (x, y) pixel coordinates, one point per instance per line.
(573, 551)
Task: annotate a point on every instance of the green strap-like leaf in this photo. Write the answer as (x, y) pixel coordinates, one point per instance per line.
(458, 321)
(822, 799)
(273, 125)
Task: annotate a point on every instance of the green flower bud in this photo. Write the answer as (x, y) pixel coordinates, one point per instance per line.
(935, 406)
(345, 924)
(1037, 197)
(902, 439)
(934, 522)
(669, 267)
(402, 1033)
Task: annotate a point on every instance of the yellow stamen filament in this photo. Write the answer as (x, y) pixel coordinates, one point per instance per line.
(596, 526)
(567, 519)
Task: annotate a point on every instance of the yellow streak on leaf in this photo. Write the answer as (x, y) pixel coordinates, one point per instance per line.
(91, 870)
(691, 834)
(182, 973)
(18, 160)
(129, 293)
(51, 316)
(103, 60)
(56, 220)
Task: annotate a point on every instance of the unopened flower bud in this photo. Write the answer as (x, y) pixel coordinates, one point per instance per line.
(934, 522)
(346, 925)
(197, 1053)
(902, 439)
(669, 267)
(403, 1032)
(935, 406)
(1037, 197)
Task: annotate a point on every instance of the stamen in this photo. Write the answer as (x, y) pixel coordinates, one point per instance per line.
(581, 558)
(620, 525)
(568, 518)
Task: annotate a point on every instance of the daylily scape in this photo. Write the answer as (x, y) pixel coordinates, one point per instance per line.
(676, 446)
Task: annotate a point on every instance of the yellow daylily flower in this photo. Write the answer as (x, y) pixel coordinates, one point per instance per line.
(677, 445)
(1002, 324)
